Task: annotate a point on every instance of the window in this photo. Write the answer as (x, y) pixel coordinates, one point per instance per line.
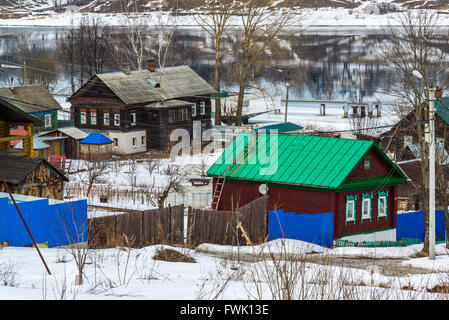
(115, 142)
(382, 204)
(366, 206)
(117, 119)
(93, 117)
(194, 110)
(133, 118)
(350, 208)
(48, 121)
(142, 140)
(171, 116)
(367, 163)
(83, 117)
(202, 107)
(134, 142)
(185, 114)
(106, 119)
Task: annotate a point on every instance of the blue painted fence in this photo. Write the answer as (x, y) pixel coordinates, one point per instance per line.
(58, 224)
(411, 225)
(315, 228)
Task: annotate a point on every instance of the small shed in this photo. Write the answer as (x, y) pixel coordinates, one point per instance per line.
(64, 141)
(32, 177)
(283, 127)
(96, 147)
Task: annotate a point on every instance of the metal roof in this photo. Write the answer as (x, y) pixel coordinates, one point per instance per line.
(309, 161)
(168, 104)
(37, 144)
(9, 112)
(281, 127)
(73, 132)
(30, 99)
(139, 86)
(96, 138)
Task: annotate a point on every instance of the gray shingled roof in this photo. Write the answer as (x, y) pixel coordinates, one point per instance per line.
(139, 86)
(30, 99)
(168, 104)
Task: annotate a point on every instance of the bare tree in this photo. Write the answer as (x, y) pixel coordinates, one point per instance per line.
(214, 19)
(261, 30)
(415, 45)
(172, 183)
(95, 169)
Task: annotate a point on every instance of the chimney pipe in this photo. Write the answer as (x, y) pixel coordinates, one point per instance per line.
(151, 65)
(126, 69)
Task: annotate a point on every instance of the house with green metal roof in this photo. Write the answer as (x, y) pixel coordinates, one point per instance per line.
(354, 179)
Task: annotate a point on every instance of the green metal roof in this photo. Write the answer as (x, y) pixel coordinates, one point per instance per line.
(281, 127)
(442, 108)
(311, 161)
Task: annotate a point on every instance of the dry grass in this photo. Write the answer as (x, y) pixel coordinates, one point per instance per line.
(173, 256)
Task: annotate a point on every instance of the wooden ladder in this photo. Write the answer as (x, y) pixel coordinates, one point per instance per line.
(219, 185)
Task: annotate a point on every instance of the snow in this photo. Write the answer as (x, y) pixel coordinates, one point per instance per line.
(310, 18)
(133, 274)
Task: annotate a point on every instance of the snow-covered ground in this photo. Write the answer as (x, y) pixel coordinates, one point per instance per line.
(335, 17)
(133, 274)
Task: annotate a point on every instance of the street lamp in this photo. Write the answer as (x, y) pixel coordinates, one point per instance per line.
(430, 139)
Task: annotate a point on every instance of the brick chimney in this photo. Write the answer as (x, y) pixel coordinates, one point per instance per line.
(151, 65)
(126, 69)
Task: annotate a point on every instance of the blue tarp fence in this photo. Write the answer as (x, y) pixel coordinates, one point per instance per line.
(57, 224)
(410, 225)
(314, 228)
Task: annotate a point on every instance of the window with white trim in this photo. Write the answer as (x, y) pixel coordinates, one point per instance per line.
(115, 142)
(366, 206)
(134, 142)
(142, 140)
(106, 119)
(382, 204)
(48, 121)
(202, 107)
(194, 110)
(350, 208)
(93, 117)
(117, 119)
(133, 118)
(83, 117)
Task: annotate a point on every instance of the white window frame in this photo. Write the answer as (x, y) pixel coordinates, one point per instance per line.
(106, 118)
(48, 121)
(202, 107)
(83, 117)
(115, 140)
(352, 203)
(382, 195)
(366, 203)
(134, 142)
(93, 117)
(142, 140)
(194, 110)
(116, 119)
(133, 118)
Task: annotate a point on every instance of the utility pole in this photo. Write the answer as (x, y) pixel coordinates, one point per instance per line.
(287, 85)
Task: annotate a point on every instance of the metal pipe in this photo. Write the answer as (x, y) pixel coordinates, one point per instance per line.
(24, 223)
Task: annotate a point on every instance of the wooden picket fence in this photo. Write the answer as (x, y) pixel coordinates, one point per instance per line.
(143, 228)
(244, 226)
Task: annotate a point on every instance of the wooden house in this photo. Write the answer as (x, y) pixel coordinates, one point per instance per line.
(64, 141)
(35, 100)
(138, 109)
(32, 176)
(40, 148)
(12, 117)
(354, 179)
(96, 147)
